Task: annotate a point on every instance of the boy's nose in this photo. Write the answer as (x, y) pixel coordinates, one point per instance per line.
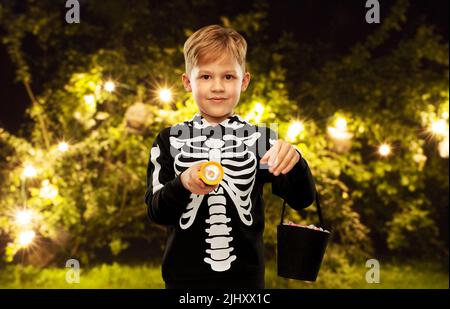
(217, 86)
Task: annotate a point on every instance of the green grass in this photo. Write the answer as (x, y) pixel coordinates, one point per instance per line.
(415, 275)
(410, 276)
(113, 276)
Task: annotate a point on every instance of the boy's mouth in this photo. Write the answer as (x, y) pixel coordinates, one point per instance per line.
(217, 99)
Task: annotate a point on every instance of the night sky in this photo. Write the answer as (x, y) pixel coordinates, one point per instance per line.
(340, 23)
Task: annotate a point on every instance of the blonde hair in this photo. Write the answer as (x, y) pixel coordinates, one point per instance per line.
(213, 42)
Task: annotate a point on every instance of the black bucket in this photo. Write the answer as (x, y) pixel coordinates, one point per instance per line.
(300, 249)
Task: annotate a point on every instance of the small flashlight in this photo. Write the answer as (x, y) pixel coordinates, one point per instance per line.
(211, 173)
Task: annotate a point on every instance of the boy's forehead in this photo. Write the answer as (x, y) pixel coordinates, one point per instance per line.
(224, 63)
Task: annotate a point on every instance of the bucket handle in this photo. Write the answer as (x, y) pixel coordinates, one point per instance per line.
(319, 211)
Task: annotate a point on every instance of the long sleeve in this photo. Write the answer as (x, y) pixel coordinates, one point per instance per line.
(297, 187)
(166, 197)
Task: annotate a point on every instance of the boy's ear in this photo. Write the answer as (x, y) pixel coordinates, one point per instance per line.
(245, 81)
(186, 82)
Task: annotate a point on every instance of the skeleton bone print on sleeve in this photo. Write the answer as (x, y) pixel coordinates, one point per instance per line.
(239, 164)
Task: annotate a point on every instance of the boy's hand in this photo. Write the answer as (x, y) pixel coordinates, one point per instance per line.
(281, 157)
(191, 181)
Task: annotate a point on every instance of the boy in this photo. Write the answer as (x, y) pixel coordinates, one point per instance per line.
(215, 232)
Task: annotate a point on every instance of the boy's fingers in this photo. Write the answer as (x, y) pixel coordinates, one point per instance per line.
(290, 165)
(274, 154)
(270, 160)
(199, 183)
(266, 156)
(198, 167)
(208, 189)
(286, 160)
(273, 161)
(212, 189)
(283, 150)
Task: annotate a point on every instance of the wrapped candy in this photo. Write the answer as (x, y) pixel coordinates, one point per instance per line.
(311, 226)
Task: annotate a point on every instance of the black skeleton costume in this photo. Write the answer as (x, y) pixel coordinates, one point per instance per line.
(216, 240)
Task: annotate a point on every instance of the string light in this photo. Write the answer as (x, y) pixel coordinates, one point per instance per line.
(439, 127)
(26, 238)
(339, 131)
(24, 217)
(419, 158)
(337, 134)
(48, 191)
(340, 135)
(294, 130)
(89, 100)
(63, 146)
(29, 171)
(256, 113)
(259, 108)
(443, 148)
(165, 95)
(384, 150)
(341, 124)
(109, 86)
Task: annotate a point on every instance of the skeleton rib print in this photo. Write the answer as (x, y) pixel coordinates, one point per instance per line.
(239, 164)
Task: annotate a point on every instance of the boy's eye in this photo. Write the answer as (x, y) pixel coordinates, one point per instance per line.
(228, 76)
(205, 77)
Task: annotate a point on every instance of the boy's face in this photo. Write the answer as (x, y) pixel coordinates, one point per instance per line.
(216, 86)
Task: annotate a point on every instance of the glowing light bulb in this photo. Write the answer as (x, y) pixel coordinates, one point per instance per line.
(255, 113)
(24, 217)
(439, 127)
(63, 146)
(48, 191)
(443, 148)
(26, 238)
(419, 158)
(259, 108)
(341, 124)
(29, 171)
(165, 95)
(109, 86)
(384, 150)
(294, 130)
(89, 99)
(337, 134)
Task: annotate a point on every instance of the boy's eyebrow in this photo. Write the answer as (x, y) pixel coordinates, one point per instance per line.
(209, 72)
